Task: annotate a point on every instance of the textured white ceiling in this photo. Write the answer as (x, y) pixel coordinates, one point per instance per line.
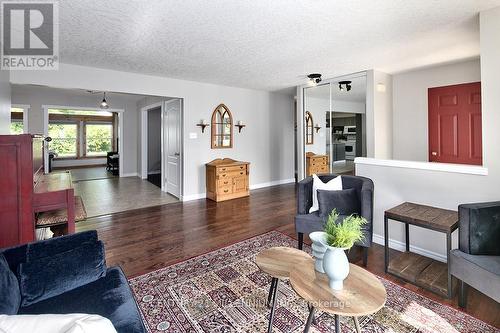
(267, 44)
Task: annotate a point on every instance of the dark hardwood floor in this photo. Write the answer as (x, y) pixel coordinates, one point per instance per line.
(150, 238)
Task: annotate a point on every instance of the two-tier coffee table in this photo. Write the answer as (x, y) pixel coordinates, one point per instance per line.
(277, 262)
(363, 293)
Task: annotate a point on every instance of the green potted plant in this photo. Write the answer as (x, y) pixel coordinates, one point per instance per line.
(338, 238)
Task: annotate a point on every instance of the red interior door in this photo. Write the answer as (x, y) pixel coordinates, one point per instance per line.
(455, 134)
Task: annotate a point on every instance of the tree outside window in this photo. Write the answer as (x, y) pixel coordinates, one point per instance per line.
(64, 139)
(16, 123)
(99, 139)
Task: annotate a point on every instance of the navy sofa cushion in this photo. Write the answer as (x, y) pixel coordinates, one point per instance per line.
(53, 246)
(51, 276)
(346, 202)
(110, 297)
(10, 296)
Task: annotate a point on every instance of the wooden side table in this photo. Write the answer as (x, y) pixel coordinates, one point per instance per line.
(417, 269)
(362, 295)
(277, 262)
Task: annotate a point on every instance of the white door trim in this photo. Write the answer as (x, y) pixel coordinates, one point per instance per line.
(144, 138)
(181, 146)
(45, 109)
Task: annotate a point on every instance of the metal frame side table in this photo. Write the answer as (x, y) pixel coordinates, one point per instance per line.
(422, 271)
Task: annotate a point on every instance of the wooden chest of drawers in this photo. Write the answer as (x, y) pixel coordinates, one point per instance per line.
(227, 179)
(316, 164)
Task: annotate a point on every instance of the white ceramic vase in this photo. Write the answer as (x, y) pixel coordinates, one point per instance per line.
(336, 266)
(318, 249)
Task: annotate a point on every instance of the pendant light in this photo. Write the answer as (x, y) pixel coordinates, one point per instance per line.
(104, 105)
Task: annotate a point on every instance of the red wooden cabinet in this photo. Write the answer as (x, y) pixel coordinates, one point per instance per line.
(455, 129)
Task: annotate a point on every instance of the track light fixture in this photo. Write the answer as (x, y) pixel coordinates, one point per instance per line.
(345, 85)
(315, 78)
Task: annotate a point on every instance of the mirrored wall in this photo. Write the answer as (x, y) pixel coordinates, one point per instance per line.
(334, 125)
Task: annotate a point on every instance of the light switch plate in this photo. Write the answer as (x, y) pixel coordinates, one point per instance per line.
(193, 135)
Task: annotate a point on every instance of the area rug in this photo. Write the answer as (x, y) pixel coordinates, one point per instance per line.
(224, 291)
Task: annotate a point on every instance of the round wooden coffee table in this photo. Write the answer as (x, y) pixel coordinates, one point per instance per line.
(363, 293)
(277, 262)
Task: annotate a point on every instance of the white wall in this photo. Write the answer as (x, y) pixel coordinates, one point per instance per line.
(379, 136)
(4, 102)
(443, 189)
(37, 96)
(266, 142)
(347, 106)
(490, 90)
(410, 121)
(394, 185)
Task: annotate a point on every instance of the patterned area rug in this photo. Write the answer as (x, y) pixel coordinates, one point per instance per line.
(224, 291)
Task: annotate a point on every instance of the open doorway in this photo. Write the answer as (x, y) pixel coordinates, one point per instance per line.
(154, 146)
(161, 157)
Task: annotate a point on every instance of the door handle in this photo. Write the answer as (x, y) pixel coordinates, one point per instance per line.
(177, 154)
(434, 153)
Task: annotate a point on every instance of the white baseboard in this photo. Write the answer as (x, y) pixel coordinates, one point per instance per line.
(400, 246)
(272, 183)
(192, 197)
(198, 196)
(130, 174)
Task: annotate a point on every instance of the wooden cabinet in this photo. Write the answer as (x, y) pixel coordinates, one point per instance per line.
(227, 179)
(316, 164)
(21, 160)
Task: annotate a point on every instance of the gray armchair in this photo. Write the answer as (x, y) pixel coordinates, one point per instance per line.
(476, 262)
(306, 222)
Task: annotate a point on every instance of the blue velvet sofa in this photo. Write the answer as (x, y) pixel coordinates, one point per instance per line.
(67, 274)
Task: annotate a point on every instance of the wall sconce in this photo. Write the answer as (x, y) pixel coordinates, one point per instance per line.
(240, 125)
(203, 123)
(317, 127)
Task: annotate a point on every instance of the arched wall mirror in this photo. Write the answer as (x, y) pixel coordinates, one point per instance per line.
(309, 128)
(222, 127)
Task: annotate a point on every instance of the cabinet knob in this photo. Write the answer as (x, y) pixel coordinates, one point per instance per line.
(434, 153)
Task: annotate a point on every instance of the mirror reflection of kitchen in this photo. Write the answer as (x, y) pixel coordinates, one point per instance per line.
(348, 122)
(346, 141)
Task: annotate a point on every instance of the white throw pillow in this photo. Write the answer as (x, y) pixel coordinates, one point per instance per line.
(55, 323)
(333, 185)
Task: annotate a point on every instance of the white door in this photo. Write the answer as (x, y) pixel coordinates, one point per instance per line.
(172, 135)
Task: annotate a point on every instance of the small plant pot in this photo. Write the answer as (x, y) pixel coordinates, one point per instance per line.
(336, 266)
(318, 249)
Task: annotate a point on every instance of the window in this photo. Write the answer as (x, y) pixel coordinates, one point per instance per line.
(99, 139)
(64, 139)
(16, 121)
(80, 133)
